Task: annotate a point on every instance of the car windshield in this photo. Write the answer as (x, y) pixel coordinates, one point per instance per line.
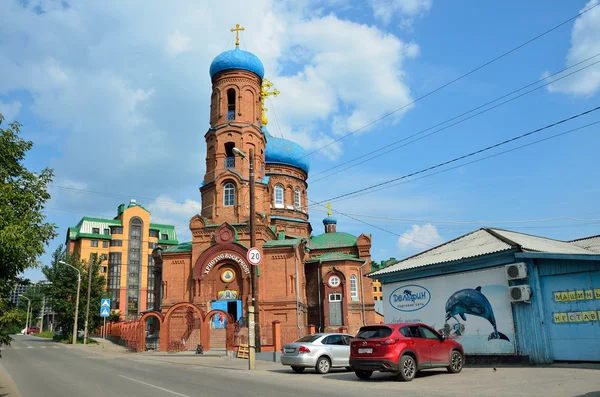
(374, 332)
(308, 338)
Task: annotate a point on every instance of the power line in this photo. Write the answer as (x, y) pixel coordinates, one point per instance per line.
(374, 226)
(387, 146)
(451, 222)
(455, 80)
(468, 155)
(481, 159)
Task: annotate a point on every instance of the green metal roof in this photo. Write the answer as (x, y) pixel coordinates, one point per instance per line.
(183, 247)
(332, 240)
(111, 222)
(86, 224)
(282, 243)
(169, 230)
(336, 256)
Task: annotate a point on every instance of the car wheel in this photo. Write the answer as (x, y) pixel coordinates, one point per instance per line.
(456, 362)
(349, 369)
(298, 369)
(363, 374)
(323, 365)
(408, 368)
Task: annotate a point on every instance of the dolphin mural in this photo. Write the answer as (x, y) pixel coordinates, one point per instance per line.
(473, 302)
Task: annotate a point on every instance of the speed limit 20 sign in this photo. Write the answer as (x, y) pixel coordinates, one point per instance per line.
(254, 256)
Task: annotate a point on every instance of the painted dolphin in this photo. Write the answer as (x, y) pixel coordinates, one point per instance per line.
(473, 302)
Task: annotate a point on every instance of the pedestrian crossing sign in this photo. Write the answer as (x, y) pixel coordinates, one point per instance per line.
(105, 302)
(104, 312)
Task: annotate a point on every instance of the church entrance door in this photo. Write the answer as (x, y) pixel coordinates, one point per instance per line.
(233, 307)
(335, 309)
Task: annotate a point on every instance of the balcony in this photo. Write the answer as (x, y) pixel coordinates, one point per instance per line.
(229, 162)
(231, 115)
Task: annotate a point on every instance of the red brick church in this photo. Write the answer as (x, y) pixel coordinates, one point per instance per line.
(305, 277)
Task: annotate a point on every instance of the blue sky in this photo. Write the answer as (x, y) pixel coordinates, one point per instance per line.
(115, 97)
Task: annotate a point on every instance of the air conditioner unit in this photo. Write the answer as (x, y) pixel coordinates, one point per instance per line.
(519, 293)
(516, 271)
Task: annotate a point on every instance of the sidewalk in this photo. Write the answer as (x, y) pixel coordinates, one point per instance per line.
(215, 359)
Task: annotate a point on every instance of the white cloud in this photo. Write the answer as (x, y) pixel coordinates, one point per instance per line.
(359, 69)
(420, 238)
(385, 10)
(122, 115)
(178, 43)
(585, 42)
(10, 110)
(168, 211)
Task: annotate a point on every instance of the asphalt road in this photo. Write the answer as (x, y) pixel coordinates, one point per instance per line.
(40, 367)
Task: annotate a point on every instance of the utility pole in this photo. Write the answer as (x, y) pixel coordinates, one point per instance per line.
(87, 305)
(251, 339)
(76, 301)
(253, 244)
(43, 310)
(28, 306)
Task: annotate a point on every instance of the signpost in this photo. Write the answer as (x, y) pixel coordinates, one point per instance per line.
(254, 256)
(104, 312)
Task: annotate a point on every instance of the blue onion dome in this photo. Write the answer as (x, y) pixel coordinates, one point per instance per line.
(237, 59)
(282, 151)
(330, 220)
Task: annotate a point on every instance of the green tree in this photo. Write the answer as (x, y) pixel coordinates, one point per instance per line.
(12, 320)
(62, 291)
(23, 230)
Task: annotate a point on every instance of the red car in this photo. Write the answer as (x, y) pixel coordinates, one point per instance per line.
(404, 349)
(33, 330)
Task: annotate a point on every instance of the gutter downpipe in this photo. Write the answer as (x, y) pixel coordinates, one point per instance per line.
(319, 289)
(297, 295)
(362, 294)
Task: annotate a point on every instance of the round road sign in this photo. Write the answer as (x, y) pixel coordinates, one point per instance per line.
(254, 256)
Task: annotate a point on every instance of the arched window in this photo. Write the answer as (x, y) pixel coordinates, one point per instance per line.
(229, 195)
(353, 288)
(297, 198)
(231, 104)
(278, 195)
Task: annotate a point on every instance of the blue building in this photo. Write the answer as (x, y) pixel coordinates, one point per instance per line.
(505, 293)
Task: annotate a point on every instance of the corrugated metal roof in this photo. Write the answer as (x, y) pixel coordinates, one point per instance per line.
(589, 243)
(474, 244)
(488, 241)
(541, 244)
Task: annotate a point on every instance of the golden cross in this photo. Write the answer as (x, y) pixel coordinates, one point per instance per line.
(264, 92)
(328, 209)
(236, 30)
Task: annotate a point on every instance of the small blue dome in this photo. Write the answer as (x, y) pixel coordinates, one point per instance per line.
(237, 59)
(330, 220)
(282, 151)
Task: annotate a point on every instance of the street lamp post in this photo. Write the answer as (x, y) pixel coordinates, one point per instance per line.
(76, 301)
(28, 306)
(254, 290)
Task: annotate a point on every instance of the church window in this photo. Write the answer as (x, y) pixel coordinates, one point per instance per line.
(334, 281)
(231, 104)
(229, 195)
(297, 198)
(353, 288)
(229, 156)
(278, 195)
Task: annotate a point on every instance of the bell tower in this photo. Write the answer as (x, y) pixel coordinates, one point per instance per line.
(235, 122)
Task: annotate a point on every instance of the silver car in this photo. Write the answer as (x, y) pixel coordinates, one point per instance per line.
(319, 351)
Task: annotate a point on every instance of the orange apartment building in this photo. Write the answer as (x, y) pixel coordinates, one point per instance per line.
(124, 245)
